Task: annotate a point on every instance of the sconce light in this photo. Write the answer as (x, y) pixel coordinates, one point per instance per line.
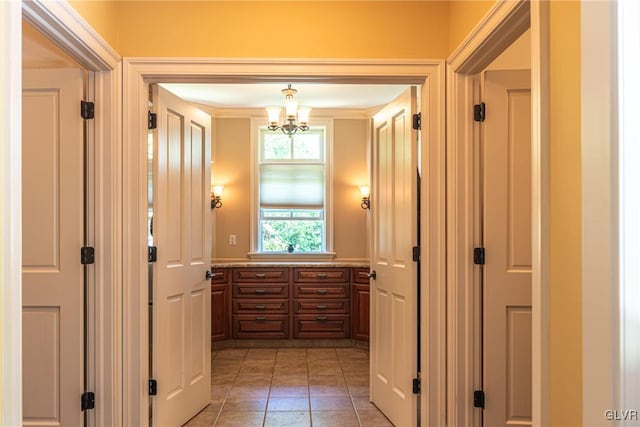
(216, 196)
(366, 197)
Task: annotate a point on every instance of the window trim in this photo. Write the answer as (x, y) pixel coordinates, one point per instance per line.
(328, 254)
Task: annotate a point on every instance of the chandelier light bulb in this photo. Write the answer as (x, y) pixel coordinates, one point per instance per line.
(296, 118)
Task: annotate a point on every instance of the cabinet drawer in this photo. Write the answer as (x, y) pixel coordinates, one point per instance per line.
(258, 290)
(309, 306)
(259, 326)
(260, 306)
(219, 275)
(361, 275)
(320, 275)
(321, 326)
(321, 291)
(260, 275)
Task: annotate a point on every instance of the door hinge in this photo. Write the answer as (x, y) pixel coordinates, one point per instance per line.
(416, 253)
(479, 111)
(417, 121)
(478, 399)
(416, 385)
(87, 255)
(88, 400)
(153, 253)
(152, 120)
(87, 110)
(153, 387)
(478, 256)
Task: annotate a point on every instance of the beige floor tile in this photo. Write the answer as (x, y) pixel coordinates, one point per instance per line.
(240, 419)
(327, 380)
(261, 354)
(324, 370)
(359, 390)
(290, 380)
(328, 391)
(259, 380)
(322, 353)
(287, 419)
(288, 404)
(362, 403)
(334, 419)
(356, 379)
(352, 353)
(231, 353)
(223, 379)
(291, 353)
(331, 404)
(205, 418)
(373, 418)
(289, 391)
(249, 390)
(256, 369)
(290, 370)
(245, 403)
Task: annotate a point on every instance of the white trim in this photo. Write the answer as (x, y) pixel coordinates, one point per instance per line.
(502, 25)
(626, 385)
(245, 113)
(137, 71)
(598, 149)
(10, 214)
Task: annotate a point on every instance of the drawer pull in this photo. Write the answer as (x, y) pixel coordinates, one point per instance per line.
(261, 307)
(214, 275)
(261, 275)
(321, 291)
(321, 307)
(321, 275)
(260, 318)
(259, 291)
(321, 318)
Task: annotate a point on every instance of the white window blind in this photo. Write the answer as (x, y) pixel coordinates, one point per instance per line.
(292, 186)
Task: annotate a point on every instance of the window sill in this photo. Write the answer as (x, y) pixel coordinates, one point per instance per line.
(280, 256)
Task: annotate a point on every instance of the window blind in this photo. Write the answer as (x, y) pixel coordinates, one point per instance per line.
(291, 186)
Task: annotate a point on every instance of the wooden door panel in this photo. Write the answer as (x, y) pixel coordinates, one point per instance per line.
(198, 203)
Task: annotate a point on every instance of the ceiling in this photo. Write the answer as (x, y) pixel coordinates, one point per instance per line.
(315, 95)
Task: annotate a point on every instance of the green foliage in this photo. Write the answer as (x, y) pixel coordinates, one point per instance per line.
(305, 236)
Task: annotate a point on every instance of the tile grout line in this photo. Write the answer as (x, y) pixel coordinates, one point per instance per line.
(226, 397)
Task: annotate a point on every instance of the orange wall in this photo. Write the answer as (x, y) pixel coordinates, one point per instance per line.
(313, 29)
(101, 15)
(566, 264)
(463, 16)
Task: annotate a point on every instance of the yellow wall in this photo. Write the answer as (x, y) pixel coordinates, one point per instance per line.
(231, 168)
(101, 15)
(463, 16)
(566, 265)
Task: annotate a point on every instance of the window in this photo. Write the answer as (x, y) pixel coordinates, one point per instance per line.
(292, 192)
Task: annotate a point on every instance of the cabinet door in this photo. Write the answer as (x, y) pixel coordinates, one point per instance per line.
(360, 312)
(220, 312)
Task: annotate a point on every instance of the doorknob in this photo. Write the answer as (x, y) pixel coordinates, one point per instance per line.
(209, 275)
(372, 275)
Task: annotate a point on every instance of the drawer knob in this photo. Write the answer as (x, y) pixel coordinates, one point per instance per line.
(372, 275)
(260, 307)
(321, 307)
(321, 275)
(259, 291)
(321, 291)
(209, 275)
(321, 318)
(261, 275)
(260, 318)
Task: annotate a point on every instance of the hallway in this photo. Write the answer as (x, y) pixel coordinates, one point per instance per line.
(323, 387)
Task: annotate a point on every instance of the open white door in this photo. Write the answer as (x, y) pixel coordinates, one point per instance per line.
(182, 233)
(507, 242)
(394, 301)
(52, 235)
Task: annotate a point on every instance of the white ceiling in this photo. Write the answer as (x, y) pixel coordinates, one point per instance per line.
(315, 95)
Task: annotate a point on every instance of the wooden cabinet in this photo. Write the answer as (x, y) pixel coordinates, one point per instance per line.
(220, 304)
(260, 303)
(360, 304)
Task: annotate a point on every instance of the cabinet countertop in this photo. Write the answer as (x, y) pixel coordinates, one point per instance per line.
(285, 264)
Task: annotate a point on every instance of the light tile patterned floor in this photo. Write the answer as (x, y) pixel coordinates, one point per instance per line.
(290, 387)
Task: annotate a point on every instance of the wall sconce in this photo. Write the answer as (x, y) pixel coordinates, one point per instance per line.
(216, 196)
(366, 197)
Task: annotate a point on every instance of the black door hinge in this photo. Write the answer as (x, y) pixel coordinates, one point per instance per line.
(416, 253)
(153, 253)
(478, 256)
(416, 385)
(87, 255)
(153, 387)
(87, 110)
(478, 399)
(479, 111)
(417, 121)
(152, 120)
(88, 400)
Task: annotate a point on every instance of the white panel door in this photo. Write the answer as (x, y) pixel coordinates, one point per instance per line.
(394, 290)
(182, 232)
(52, 231)
(507, 242)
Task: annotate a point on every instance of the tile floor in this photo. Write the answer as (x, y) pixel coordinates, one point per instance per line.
(290, 387)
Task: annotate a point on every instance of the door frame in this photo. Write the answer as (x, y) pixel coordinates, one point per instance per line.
(139, 72)
(500, 27)
(66, 28)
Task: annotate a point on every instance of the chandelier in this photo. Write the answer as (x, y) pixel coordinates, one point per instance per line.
(296, 118)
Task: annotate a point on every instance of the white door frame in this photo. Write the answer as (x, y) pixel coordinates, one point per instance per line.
(66, 28)
(502, 25)
(139, 72)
